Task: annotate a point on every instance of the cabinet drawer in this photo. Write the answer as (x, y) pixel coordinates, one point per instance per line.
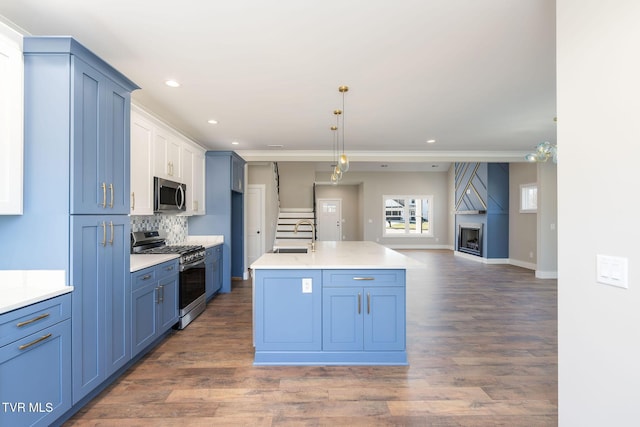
(378, 277)
(167, 269)
(24, 321)
(144, 277)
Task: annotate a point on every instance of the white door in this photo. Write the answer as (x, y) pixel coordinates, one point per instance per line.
(329, 219)
(255, 221)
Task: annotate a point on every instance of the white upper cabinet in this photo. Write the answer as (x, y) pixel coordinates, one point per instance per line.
(158, 150)
(11, 120)
(141, 164)
(167, 151)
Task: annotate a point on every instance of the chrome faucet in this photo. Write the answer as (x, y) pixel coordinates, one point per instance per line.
(313, 232)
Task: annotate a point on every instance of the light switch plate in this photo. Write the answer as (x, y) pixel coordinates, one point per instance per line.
(612, 270)
(307, 285)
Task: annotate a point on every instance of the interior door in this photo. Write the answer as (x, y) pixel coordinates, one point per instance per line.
(329, 220)
(255, 222)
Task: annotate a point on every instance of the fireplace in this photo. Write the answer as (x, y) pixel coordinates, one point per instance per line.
(470, 238)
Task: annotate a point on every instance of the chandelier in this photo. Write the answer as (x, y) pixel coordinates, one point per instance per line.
(342, 161)
(544, 151)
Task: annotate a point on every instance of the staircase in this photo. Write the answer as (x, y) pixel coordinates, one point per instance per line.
(285, 235)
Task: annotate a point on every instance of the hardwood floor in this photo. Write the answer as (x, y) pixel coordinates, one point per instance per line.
(482, 344)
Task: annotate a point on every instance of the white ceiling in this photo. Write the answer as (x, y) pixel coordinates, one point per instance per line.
(477, 76)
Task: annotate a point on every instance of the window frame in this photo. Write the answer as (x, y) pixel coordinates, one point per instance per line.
(525, 204)
(406, 209)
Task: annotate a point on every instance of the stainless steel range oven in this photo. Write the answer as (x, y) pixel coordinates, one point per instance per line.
(192, 271)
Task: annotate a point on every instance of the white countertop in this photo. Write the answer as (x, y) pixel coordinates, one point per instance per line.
(345, 254)
(20, 288)
(140, 261)
(205, 240)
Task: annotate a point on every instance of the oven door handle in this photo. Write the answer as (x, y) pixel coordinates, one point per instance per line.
(189, 266)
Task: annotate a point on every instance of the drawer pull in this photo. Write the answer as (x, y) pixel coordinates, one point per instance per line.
(170, 268)
(364, 278)
(368, 303)
(359, 303)
(34, 342)
(35, 319)
(146, 277)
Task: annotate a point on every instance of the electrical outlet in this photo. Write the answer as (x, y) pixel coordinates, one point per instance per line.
(307, 285)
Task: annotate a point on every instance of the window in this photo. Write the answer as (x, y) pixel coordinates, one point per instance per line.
(528, 198)
(408, 216)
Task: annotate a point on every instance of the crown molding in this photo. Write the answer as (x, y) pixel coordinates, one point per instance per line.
(386, 156)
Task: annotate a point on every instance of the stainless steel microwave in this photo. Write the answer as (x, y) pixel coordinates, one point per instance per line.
(169, 196)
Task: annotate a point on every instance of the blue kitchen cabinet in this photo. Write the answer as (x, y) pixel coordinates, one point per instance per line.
(35, 363)
(101, 145)
(224, 211)
(213, 272)
(101, 299)
(237, 174)
(288, 310)
(217, 269)
(154, 303)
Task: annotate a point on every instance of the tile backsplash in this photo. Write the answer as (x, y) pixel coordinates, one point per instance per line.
(174, 226)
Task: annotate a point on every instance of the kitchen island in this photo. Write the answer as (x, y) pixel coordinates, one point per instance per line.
(343, 304)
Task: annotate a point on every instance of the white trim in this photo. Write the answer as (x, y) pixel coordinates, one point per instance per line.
(386, 156)
(409, 247)
(481, 259)
(546, 274)
(523, 264)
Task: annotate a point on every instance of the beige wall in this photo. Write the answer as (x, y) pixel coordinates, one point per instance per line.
(522, 226)
(296, 184)
(351, 211)
(376, 184)
(263, 174)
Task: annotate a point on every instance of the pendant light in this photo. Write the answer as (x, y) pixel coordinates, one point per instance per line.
(336, 175)
(343, 162)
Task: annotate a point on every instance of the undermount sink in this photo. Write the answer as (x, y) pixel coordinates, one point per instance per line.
(291, 250)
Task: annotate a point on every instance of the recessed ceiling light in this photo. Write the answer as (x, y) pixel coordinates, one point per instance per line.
(275, 145)
(434, 166)
(384, 166)
(431, 141)
(212, 121)
(235, 143)
(172, 83)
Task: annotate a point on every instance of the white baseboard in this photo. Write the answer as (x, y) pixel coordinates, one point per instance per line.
(523, 264)
(481, 259)
(546, 274)
(408, 247)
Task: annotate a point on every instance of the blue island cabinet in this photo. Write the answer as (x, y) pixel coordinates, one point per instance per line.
(330, 317)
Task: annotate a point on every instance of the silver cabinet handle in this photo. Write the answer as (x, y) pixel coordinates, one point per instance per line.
(170, 268)
(158, 295)
(104, 234)
(104, 195)
(34, 342)
(364, 278)
(359, 303)
(111, 190)
(146, 277)
(161, 293)
(111, 226)
(368, 303)
(133, 201)
(35, 319)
